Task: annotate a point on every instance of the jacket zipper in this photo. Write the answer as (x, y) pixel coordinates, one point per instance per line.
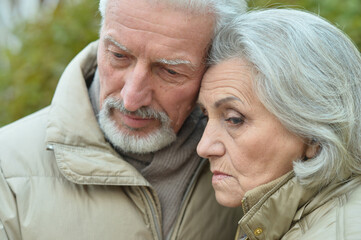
(239, 229)
(153, 211)
(187, 194)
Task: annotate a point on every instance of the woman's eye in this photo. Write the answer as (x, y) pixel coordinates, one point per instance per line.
(235, 120)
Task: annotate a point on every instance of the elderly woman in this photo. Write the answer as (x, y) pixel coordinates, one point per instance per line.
(283, 101)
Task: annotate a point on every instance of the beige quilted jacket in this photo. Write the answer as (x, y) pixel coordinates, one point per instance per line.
(289, 212)
(60, 180)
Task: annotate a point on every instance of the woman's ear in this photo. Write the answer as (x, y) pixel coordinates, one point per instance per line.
(312, 149)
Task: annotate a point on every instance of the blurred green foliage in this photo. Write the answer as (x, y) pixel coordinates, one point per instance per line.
(346, 14)
(28, 78)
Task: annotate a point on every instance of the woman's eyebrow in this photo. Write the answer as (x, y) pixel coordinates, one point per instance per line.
(218, 103)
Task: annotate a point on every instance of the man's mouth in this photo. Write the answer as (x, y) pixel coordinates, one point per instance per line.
(133, 121)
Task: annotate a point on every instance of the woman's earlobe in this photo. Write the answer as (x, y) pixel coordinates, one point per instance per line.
(312, 149)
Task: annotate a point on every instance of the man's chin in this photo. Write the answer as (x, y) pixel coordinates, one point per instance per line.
(136, 140)
(137, 132)
(143, 143)
(143, 131)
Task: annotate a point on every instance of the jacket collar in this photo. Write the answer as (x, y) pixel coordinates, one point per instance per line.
(82, 154)
(271, 214)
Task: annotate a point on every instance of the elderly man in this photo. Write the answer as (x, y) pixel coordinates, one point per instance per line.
(113, 156)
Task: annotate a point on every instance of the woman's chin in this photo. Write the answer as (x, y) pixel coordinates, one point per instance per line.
(228, 200)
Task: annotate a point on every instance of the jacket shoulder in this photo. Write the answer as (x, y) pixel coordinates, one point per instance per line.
(23, 145)
(350, 213)
(338, 218)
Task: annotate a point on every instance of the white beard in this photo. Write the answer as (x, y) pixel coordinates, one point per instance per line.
(125, 142)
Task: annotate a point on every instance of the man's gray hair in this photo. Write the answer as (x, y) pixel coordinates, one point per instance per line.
(308, 74)
(224, 10)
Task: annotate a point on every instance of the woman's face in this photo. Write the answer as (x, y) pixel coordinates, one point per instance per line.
(246, 145)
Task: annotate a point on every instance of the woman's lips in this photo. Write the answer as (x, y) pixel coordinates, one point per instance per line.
(219, 176)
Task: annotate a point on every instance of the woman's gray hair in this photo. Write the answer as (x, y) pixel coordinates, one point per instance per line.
(308, 74)
(224, 10)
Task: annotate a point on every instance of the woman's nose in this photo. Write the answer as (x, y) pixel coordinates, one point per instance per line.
(211, 144)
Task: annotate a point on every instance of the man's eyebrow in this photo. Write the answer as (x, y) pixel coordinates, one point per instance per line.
(171, 62)
(224, 100)
(174, 62)
(119, 45)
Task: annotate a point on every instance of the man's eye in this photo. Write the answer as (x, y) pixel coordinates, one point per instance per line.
(235, 120)
(118, 55)
(170, 71)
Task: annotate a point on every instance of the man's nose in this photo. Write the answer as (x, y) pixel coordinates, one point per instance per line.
(137, 90)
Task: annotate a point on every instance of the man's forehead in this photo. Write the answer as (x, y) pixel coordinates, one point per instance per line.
(166, 61)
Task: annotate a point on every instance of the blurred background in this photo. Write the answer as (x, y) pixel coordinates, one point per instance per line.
(38, 38)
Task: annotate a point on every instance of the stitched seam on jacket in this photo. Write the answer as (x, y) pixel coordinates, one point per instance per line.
(30, 176)
(79, 148)
(72, 176)
(340, 217)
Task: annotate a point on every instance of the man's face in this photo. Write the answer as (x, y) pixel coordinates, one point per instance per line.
(150, 58)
